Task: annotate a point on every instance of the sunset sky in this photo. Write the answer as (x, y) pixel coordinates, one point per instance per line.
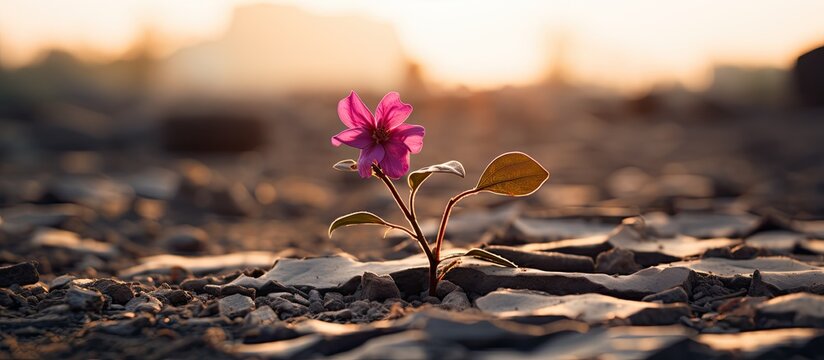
(626, 44)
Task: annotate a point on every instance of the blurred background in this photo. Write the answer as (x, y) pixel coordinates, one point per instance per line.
(202, 127)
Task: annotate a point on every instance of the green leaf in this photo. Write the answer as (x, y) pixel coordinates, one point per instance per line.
(417, 177)
(482, 254)
(346, 165)
(488, 256)
(513, 174)
(357, 218)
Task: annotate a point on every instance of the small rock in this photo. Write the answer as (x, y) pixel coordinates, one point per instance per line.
(314, 295)
(744, 252)
(117, 290)
(376, 312)
(378, 288)
(431, 300)
(84, 299)
(334, 304)
(185, 239)
(36, 289)
(174, 297)
(8, 299)
(60, 282)
(272, 286)
(456, 300)
(261, 316)
(236, 305)
(144, 303)
(212, 289)
(316, 307)
(342, 315)
(674, 295)
(21, 274)
(300, 300)
(227, 290)
(616, 261)
(287, 309)
(194, 285)
(445, 287)
(758, 287)
(359, 307)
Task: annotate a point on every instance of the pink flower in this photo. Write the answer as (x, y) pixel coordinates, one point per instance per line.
(382, 139)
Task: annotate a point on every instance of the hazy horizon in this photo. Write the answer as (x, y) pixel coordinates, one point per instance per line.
(608, 45)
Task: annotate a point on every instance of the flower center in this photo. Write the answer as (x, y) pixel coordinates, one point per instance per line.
(380, 135)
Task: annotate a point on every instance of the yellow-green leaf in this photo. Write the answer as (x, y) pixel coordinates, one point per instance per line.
(346, 165)
(357, 218)
(513, 174)
(488, 256)
(482, 254)
(417, 177)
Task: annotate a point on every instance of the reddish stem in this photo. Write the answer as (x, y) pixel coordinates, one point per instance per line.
(410, 217)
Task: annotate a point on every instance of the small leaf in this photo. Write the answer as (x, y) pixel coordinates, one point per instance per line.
(513, 174)
(417, 177)
(346, 165)
(482, 254)
(488, 256)
(445, 269)
(356, 218)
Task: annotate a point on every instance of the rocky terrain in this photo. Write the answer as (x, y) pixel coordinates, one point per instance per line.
(104, 267)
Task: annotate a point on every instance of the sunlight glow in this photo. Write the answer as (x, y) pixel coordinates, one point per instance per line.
(628, 44)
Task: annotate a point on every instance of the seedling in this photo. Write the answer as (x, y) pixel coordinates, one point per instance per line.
(386, 144)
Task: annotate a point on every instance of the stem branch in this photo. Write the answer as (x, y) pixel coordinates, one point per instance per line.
(410, 217)
(445, 219)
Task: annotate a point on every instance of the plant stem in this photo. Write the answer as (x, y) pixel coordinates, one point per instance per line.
(410, 217)
(445, 219)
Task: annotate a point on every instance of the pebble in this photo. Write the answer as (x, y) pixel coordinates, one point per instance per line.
(456, 300)
(84, 299)
(174, 297)
(21, 274)
(314, 296)
(340, 315)
(118, 291)
(8, 299)
(144, 303)
(300, 300)
(227, 290)
(287, 309)
(334, 304)
(60, 282)
(431, 299)
(185, 239)
(316, 307)
(263, 315)
(674, 295)
(194, 285)
(236, 305)
(758, 287)
(212, 289)
(378, 288)
(445, 287)
(616, 261)
(359, 307)
(376, 312)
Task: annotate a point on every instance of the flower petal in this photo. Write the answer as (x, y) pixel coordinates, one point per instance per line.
(396, 161)
(369, 155)
(353, 113)
(391, 112)
(410, 135)
(357, 138)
